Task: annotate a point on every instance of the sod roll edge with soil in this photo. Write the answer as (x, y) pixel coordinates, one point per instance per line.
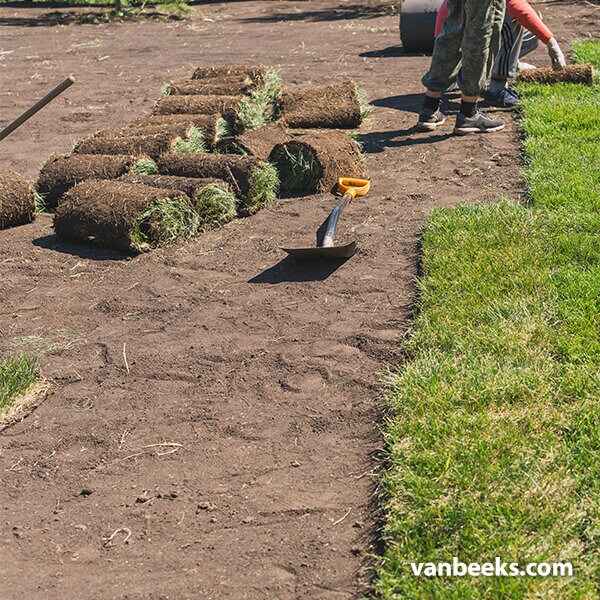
(131, 217)
(314, 160)
(62, 172)
(17, 200)
(254, 182)
(333, 106)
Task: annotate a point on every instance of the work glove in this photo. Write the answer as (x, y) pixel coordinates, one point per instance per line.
(556, 55)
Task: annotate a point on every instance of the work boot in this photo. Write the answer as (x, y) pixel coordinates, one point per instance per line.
(478, 123)
(504, 98)
(430, 119)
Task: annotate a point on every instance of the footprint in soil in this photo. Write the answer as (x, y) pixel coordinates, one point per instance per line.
(305, 383)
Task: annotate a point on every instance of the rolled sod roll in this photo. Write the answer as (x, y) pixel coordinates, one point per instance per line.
(213, 199)
(190, 186)
(125, 216)
(148, 145)
(60, 173)
(206, 105)
(178, 128)
(199, 87)
(209, 124)
(258, 142)
(17, 200)
(253, 72)
(570, 74)
(334, 106)
(314, 160)
(254, 182)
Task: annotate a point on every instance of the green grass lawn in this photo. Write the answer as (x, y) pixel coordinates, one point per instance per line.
(493, 434)
(18, 374)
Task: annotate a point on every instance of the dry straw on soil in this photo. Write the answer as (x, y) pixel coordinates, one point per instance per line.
(314, 160)
(254, 182)
(125, 216)
(258, 142)
(60, 173)
(570, 74)
(17, 200)
(334, 106)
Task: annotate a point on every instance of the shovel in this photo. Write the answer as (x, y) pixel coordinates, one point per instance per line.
(349, 189)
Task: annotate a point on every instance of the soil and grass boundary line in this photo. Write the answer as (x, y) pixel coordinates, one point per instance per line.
(492, 436)
(21, 388)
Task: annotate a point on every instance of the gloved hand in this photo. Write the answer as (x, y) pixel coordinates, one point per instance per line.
(556, 55)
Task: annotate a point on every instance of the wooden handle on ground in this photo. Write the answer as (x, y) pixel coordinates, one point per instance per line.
(59, 89)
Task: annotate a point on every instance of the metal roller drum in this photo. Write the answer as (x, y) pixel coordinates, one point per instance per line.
(417, 24)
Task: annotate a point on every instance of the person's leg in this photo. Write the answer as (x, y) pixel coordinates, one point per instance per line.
(446, 58)
(530, 43)
(445, 64)
(505, 65)
(481, 42)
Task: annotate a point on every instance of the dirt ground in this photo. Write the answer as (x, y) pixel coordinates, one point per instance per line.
(212, 430)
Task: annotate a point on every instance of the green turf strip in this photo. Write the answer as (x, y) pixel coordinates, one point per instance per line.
(18, 373)
(493, 433)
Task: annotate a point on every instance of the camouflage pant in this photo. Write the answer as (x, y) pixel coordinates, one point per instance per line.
(464, 51)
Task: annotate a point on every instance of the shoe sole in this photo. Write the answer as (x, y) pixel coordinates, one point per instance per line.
(471, 130)
(429, 126)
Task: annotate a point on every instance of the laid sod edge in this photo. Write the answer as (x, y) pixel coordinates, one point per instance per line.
(492, 439)
(19, 378)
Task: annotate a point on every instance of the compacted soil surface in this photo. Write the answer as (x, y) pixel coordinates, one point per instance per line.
(212, 425)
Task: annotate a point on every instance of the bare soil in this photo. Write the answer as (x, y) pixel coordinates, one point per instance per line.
(212, 431)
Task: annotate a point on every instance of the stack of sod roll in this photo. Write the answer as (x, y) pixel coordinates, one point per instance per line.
(216, 147)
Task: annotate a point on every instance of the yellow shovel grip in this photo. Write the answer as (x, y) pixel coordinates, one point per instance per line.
(353, 187)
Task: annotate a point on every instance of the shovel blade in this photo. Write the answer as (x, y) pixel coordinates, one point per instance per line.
(318, 252)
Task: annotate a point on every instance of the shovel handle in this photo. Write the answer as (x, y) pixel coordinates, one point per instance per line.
(59, 89)
(332, 221)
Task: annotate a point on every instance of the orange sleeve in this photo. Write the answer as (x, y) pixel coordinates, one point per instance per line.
(441, 17)
(522, 13)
